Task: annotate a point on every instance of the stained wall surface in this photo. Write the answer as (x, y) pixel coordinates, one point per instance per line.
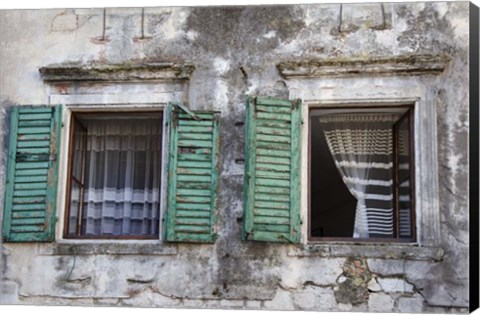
(235, 52)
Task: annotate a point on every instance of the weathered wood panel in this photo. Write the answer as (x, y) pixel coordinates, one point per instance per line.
(272, 190)
(31, 188)
(192, 176)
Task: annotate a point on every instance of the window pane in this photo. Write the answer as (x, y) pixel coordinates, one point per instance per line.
(404, 208)
(404, 149)
(74, 207)
(122, 176)
(78, 150)
(404, 178)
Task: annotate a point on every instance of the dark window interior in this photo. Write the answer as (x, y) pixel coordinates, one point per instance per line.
(333, 207)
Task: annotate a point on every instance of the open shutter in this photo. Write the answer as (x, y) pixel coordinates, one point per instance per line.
(192, 175)
(31, 189)
(272, 170)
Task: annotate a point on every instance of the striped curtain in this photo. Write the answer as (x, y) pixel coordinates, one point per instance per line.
(122, 178)
(361, 146)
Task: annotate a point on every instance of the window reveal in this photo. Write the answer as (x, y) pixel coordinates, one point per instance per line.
(367, 155)
(115, 176)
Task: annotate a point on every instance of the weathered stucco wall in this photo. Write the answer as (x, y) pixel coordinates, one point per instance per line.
(235, 51)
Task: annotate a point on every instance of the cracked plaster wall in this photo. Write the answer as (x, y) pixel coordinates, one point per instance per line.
(240, 58)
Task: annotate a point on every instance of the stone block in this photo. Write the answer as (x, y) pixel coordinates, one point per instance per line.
(380, 302)
(304, 300)
(231, 303)
(344, 307)
(410, 304)
(374, 286)
(386, 267)
(252, 304)
(64, 23)
(315, 298)
(8, 292)
(281, 301)
(394, 285)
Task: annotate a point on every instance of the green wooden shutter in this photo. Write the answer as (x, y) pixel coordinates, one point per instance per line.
(31, 189)
(272, 170)
(192, 175)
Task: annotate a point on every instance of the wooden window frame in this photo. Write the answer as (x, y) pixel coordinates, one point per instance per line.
(410, 113)
(410, 116)
(70, 161)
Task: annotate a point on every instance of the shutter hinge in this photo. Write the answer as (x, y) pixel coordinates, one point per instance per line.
(296, 104)
(186, 110)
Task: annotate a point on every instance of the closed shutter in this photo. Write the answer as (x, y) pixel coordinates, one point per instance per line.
(192, 175)
(31, 189)
(272, 170)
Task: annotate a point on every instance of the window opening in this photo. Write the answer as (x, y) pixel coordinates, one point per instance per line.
(361, 173)
(114, 177)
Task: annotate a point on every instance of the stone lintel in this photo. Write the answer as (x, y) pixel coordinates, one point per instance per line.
(359, 66)
(116, 72)
(385, 251)
(81, 249)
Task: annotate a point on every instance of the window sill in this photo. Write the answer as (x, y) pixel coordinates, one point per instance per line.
(408, 251)
(112, 247)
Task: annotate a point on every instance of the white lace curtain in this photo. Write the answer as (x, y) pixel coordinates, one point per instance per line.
(122, 177)
(361, 146)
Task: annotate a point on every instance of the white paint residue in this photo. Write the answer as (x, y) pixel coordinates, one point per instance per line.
(454, 162)
(221, 94)
(169, 29)
(221, 65)
(270, 34)
(442, 8)
(460, 27)
(400, 25)
(191, 35)
(294, 48)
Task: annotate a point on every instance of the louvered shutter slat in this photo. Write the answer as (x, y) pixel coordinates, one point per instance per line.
(32, 174)
(272, 170)
(192, 176)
